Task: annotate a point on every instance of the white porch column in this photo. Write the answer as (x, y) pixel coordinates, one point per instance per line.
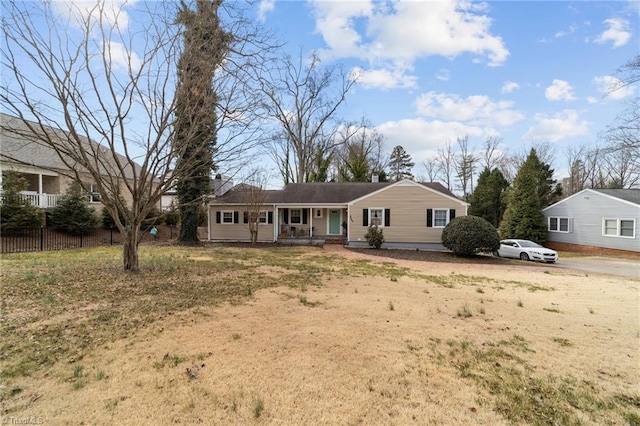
(276, 224)
(42, 197)
(310, 222)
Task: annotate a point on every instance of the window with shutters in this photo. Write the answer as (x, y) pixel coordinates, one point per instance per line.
(295, 216)
(376, 217)
(440, 217)
(227, 216)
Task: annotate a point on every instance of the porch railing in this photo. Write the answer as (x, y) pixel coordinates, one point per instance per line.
(43, 201)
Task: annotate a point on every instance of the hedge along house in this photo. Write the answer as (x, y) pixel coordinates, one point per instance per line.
(595, 220)
(411, 214)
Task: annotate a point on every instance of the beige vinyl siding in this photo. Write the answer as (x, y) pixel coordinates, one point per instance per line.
(236, 231)
(320, 224)
(408, 216)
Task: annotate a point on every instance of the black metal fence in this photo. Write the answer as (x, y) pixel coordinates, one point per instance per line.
(46, 239)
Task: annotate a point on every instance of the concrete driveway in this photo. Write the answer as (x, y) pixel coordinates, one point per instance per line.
(602, 265)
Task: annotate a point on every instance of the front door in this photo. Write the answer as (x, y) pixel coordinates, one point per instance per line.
(334, 222)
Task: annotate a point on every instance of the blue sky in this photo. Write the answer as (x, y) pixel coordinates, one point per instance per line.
(530, 72)
(429, 72)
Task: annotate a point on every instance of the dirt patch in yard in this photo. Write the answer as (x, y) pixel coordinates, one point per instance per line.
(444, 343)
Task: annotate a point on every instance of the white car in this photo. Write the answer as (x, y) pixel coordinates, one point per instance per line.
(526, 250)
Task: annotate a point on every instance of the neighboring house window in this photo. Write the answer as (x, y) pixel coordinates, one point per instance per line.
(376, 216)
(439, 218)
(227, 217)
(625, 228)
(94, 193)
(295, 216)
(559, 224)
(318, 213)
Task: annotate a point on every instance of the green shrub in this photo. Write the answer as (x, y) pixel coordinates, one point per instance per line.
(15, 210)
(72, 214)
(374, 237)
(467, 235)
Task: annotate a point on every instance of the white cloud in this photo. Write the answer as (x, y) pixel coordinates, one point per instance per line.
(421, 138)
(559, 90)
(443, 75)
(396, 34)
(121, 58)
(618, 32)
(79, 11)
(383, 78)
(265, 7)
(571, 30)
(509, 86)
(476, 109)
(613, 88)
(562, 125)
(335, 21)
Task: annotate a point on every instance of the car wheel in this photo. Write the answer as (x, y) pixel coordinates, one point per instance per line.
(524, 256)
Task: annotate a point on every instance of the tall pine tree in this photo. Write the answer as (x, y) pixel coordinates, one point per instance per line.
(533, 189)
(400, 164)
(205, 46)
(488, 200)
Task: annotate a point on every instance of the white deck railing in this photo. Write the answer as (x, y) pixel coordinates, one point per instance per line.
(43, 201)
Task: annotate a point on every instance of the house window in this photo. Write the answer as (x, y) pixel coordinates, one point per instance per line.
(317, 213)
(440, 218)
(625, 228)
(262, 217)
(94, 193)
(295, 216)
(376, 217)
(227, 217)
(559, 224)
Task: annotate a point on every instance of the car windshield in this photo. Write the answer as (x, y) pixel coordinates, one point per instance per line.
(528, 244)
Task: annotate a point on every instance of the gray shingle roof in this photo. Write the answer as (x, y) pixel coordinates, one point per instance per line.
(631, 195)
(17, 146)
(317, 193)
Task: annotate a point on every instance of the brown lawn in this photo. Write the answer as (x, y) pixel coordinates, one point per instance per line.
(462, 343)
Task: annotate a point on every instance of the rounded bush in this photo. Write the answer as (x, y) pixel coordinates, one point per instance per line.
(468, 235)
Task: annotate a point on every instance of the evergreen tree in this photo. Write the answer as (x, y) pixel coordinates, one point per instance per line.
(205, 46)
(355, 168)
(532, 189)
(72, 214)
(16, 211)
(400, 164)
(488, 200)
(320, 169)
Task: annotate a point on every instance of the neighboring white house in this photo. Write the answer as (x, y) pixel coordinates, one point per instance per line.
(595, 219)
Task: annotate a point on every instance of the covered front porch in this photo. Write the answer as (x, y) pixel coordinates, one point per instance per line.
(43, 187)
(310, 225)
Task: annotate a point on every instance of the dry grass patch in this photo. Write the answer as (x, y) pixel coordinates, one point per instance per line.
(293, 335)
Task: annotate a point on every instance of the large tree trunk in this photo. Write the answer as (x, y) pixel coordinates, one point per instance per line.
(130, 247)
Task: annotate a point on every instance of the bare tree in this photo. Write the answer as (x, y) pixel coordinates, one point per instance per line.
(103, 100)
(445, 160)
(254, 194)
(432, 169)
(492, 156)
(303, 98)
(359, 153)
(464, 162)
